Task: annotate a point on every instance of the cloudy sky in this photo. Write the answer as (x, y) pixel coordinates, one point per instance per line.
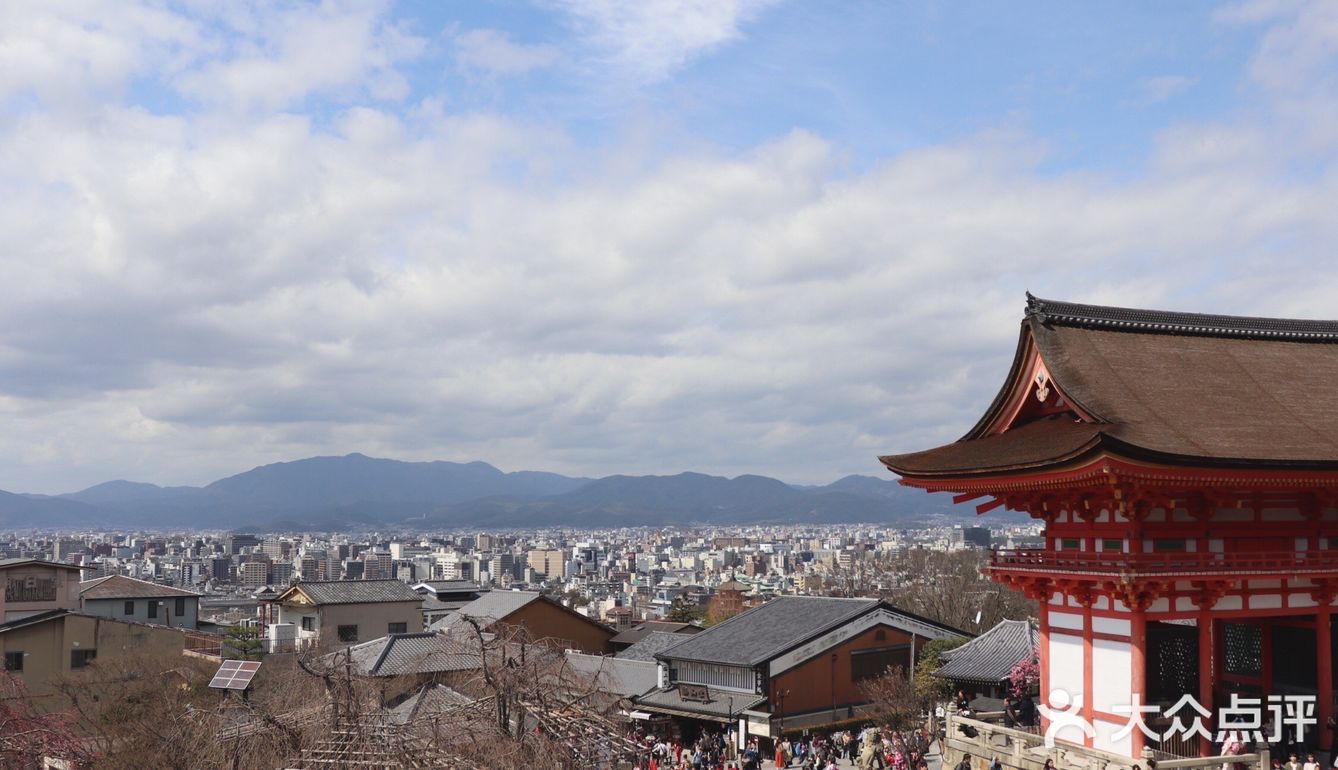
(595, 237)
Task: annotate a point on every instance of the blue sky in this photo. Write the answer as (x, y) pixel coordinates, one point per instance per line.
(1097, 80)
(593, 237)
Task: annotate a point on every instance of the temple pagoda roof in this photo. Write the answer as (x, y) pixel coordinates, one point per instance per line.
(1166, 387)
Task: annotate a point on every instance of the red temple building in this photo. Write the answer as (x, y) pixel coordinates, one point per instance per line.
(1186, 469)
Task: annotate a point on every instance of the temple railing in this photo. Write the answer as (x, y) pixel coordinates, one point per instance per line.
(1022, 750)
(1164, 562)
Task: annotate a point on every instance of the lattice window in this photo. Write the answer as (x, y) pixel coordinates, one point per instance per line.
(1173, 656)
(1244, 645)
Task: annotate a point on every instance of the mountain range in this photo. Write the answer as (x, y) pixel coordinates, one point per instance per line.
(356, 492)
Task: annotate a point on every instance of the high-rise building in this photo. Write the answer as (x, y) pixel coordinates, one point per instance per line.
(976, 536)
(236, 542)
(255, 574)
(547, 562)
(220, 568)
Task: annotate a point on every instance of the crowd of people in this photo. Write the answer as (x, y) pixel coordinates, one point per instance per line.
(872, 748)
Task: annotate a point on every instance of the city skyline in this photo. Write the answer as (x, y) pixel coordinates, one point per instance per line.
(593, 238)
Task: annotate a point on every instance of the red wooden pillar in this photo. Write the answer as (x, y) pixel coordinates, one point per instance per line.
(1088, 707)
(1206, 674)
(1324, 669)
(1043, 657)
(1138, 627)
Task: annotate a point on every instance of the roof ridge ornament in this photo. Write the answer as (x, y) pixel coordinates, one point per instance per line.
(1035, 307)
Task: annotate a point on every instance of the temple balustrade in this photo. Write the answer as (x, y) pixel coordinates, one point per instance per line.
(1019, 749)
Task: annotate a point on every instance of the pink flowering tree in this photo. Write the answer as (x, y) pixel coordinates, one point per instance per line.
(1025, 677)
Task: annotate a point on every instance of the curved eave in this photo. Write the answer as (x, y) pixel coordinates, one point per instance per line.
(1036, 446)
(1021, 357)
(1102, 466)
(1115, 446)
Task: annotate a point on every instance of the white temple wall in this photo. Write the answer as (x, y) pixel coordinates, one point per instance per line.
(1066, 666)
(1105, 740)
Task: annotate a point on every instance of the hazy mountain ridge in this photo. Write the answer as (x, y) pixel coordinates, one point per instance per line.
(359, 492)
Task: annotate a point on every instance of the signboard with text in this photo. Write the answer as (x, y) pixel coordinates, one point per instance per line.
(697, 693)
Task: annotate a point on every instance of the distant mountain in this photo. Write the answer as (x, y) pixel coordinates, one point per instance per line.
(320, 482)
(120, 493)
(21, 511)
(356, 492)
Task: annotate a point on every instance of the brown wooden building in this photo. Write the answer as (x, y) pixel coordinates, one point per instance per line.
(542, 618)
(795, 662)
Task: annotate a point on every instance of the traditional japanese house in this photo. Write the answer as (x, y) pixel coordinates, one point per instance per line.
(1186, 469)
(793, 663)
(983, 668)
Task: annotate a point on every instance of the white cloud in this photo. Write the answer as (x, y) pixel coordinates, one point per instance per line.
(63, 53)
(275, 58)
(1299, 47)
(187, 296)
(648, 40)
(490, 51)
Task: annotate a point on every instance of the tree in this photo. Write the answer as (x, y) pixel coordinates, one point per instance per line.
(1025, 677)
(931, 690)
(241, 642)
(683, 612)
(893, 700)
(28, 737)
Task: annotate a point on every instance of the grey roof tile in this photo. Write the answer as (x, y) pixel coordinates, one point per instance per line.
(122, 587)
(423, 652)
(765, 631)
(650, 645)
(723, 704)
(489, 608)
(358, 591)
(619, 676)
(642, 630)
(430, 701)
(991, 656)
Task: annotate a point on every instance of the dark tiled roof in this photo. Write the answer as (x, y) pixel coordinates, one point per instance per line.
(765, 631)
(1043, 441)
(122, 587)
(618, 676)
(639, 632)
(433, 604)
(1179, 388)
(451, 586)
(423, 652)
(1060, 313)
(490, 607)
(723, 704)
(991, 656)
(651, 645)
(432, 700)
(358, 591)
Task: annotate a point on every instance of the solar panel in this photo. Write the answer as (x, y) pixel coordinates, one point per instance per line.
(235, 674)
